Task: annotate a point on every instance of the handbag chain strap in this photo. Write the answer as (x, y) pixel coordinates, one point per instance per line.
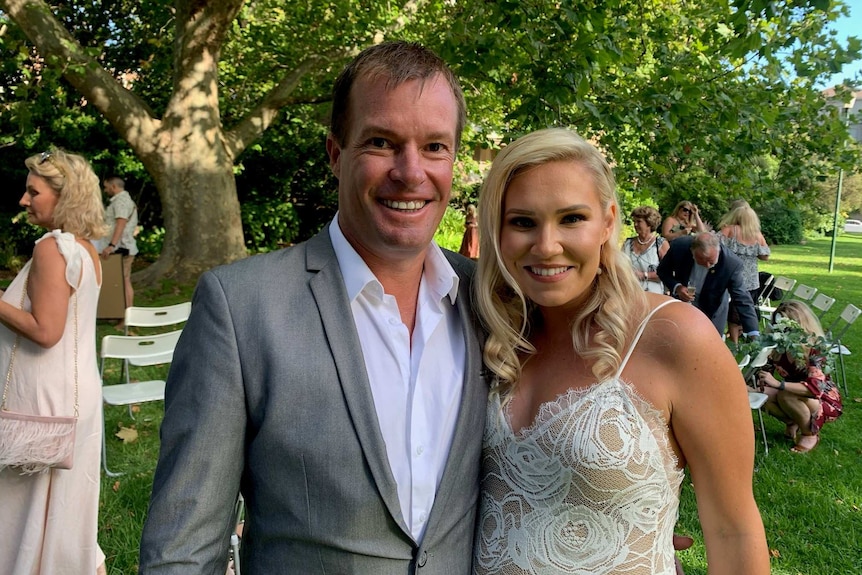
(18, 337)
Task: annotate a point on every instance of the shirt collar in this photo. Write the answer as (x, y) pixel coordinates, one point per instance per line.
(438, 274)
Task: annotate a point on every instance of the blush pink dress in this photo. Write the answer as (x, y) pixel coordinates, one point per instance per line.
(50, 520)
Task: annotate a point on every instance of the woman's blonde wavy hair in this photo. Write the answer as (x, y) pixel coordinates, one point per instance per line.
(606, 322)
(747, 220)
(79, 208)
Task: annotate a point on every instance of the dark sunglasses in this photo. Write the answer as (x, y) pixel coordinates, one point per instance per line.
(686, 210)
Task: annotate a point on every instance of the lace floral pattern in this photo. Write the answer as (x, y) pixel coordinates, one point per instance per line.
(591, 487)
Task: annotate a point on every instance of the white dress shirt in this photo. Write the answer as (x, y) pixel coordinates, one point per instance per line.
(416, 385)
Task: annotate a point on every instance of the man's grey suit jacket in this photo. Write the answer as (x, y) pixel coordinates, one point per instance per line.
(268, 392)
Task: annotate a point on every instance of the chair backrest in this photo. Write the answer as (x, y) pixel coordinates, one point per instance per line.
(784, 284)
(143, 349)
(804, 292)
(823, 303)
(765, 289)
(137, 316)
(848, 315)
(761, 358)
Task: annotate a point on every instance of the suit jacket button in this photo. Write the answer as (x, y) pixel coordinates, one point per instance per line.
(423, 558)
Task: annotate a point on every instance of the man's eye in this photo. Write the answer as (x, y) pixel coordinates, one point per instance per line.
(378, 142)
(435, 147)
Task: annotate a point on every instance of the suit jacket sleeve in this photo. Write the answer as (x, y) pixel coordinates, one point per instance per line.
(190, 516)
(666, 266)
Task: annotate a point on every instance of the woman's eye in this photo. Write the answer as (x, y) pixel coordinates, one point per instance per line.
(521, 222)
(572, 218)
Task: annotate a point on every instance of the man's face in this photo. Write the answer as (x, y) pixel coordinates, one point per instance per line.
(110, 188)
(706, 257)
(394, 168)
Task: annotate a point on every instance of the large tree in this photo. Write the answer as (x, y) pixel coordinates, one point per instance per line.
(688, 98)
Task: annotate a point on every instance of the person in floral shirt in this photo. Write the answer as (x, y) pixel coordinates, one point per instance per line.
(801, 392)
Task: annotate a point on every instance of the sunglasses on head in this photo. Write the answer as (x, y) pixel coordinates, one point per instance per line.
(47, 156)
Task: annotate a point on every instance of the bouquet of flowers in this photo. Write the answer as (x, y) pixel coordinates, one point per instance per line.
(792, 339)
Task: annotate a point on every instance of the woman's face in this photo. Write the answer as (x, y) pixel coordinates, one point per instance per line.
(552, 232)
(642, 227)
(39, 200)
(684, 213)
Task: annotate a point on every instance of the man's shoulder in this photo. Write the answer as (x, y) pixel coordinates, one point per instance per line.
(284, 263)
(463, 266)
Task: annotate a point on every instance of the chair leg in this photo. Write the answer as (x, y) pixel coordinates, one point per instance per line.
(763, 432)
(843, 373)
(108, 472)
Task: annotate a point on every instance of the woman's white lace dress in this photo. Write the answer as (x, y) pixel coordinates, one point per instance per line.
(591, 487)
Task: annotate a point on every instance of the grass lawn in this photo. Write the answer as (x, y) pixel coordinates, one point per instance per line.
(811, 504)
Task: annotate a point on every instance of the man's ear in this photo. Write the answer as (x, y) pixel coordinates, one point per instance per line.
(333, 149)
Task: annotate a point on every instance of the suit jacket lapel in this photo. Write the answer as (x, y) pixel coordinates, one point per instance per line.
(327, 287)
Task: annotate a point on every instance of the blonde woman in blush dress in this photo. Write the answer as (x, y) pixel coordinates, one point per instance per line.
(604, 393)
(50, 519)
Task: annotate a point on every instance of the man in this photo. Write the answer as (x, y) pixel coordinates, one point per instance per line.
(122, 219)
(701, 264)
(337, 383)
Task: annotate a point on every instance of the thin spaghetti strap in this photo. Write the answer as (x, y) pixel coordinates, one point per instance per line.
(639, 333)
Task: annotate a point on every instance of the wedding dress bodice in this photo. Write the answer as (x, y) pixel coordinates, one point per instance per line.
(591, 487)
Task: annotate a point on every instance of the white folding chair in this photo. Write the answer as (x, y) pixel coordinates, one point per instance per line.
(823, 303)
(847, 317)
(161, 316)
(744, 361)
(804, 292)
(755, 398)
(144, 350)
(785, 284)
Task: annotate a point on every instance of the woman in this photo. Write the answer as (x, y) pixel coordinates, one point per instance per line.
(646, 249)
(740, 233)
(685, 220)
(50, 519)
(470, 241)
(804, 397)
(604, 392)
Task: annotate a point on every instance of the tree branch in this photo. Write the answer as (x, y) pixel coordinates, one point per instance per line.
(261, 117)
(129, 115)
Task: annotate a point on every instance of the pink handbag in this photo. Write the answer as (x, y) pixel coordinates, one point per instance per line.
(36, 443)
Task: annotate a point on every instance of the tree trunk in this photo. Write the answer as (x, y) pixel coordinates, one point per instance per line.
(200, 208)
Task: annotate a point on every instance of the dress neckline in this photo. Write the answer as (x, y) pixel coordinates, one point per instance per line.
(581, 392)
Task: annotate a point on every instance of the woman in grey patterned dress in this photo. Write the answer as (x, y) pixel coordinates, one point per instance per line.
(740, 233)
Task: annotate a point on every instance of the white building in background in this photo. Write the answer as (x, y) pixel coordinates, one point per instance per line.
(853, 109)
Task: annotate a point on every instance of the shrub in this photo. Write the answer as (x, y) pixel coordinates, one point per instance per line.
(780, 224)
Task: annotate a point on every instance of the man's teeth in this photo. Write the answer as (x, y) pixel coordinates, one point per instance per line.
(411, 205)
(548, 271)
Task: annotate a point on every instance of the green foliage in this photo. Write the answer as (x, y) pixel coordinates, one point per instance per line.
(780, 224)
(792, 339)
(267, 224)
(451, 230)
(149, 242)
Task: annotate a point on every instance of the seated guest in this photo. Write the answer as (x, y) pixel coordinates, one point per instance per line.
(684, 221)
(647, 248)
(804, 397)
(697, 269)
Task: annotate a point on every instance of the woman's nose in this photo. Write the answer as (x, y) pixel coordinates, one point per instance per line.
(547, 242)
(25, 200)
